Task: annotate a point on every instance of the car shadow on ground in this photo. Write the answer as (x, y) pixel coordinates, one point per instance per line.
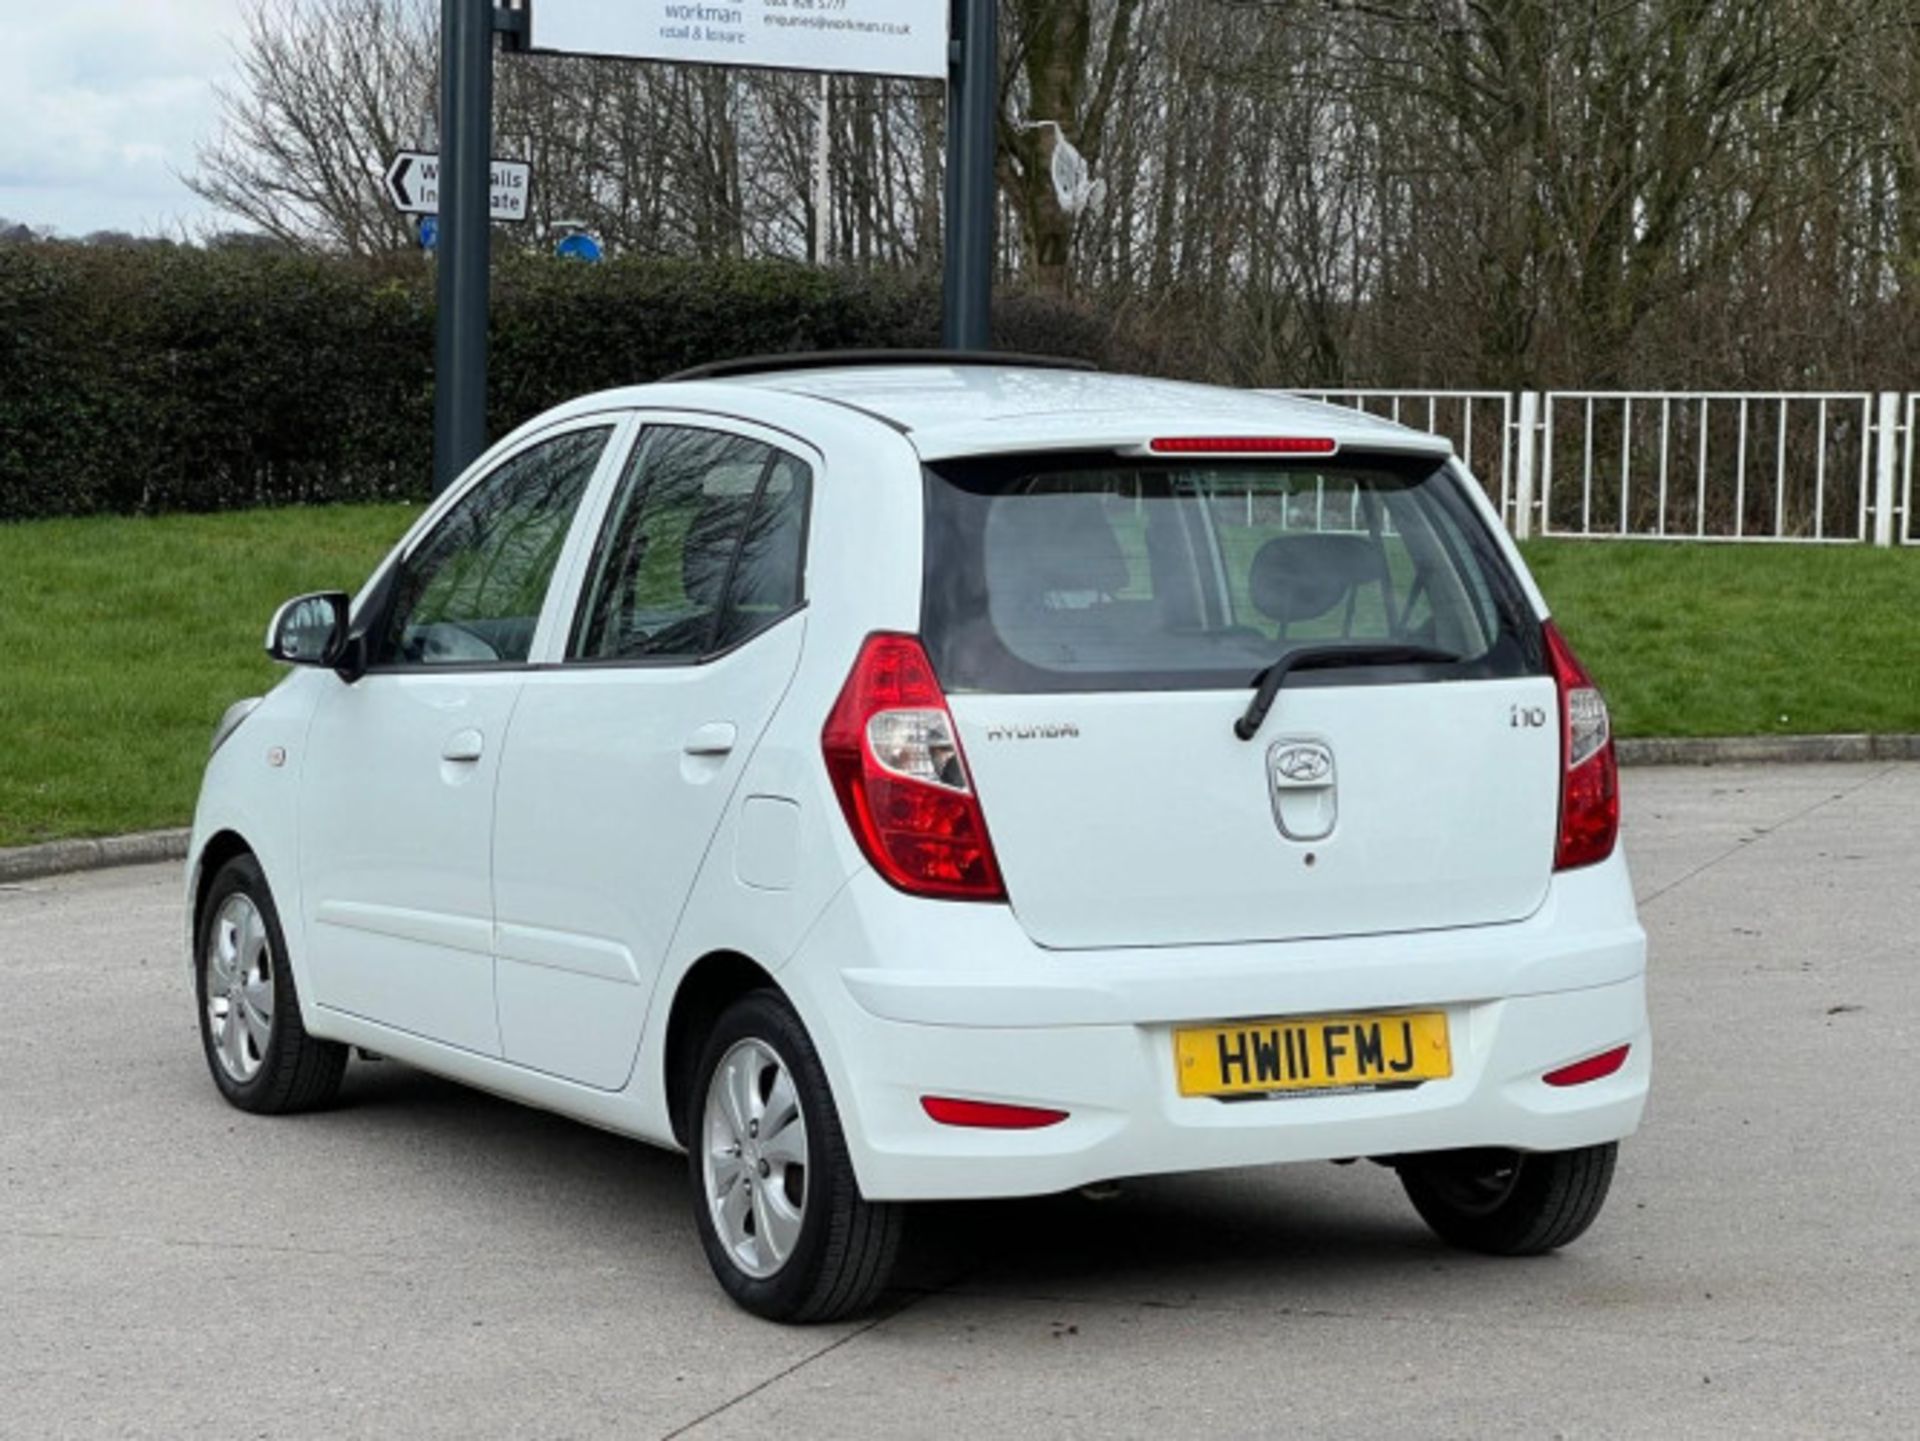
(1164, 1240)
(1173, 1240)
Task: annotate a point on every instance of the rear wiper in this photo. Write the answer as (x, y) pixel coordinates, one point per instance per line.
(1266, 685)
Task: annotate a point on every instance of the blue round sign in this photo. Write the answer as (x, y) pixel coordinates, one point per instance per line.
(578, 246)
(429, 232)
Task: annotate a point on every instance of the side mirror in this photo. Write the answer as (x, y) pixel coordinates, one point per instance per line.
(310, 629)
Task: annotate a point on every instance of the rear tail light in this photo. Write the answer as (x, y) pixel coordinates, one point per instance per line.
(1590, 782)
(1594, 1068)
(894, 756)
(989, 1115)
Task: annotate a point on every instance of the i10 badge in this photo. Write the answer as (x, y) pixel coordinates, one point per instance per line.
(1300, 775)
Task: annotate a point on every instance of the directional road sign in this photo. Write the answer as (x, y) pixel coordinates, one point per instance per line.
(413, 184)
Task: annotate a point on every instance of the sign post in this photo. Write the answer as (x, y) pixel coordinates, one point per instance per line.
(955, 40)
(465, 242)
(973, 116)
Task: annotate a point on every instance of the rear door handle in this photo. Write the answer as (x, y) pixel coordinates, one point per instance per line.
(464, 746)
(712, 740)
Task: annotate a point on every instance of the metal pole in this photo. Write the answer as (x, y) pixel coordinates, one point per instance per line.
(466, 143)
(973, 117)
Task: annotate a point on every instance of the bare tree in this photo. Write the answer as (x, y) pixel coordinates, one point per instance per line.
(327, 91)
(1066, 85)
(1489, 191)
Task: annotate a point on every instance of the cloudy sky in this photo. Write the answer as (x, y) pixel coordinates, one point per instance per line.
(101, 105)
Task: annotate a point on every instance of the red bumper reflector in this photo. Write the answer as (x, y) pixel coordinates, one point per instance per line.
(989, 1115)
(1591, 1069)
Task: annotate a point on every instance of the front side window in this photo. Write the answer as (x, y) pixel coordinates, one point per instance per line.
(472, 591)
(1065, 573)
(703, 549)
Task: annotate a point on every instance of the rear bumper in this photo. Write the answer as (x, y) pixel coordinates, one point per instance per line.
(1092, 1034)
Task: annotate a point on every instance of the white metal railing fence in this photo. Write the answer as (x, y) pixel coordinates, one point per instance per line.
(1910, 527)
(1480, 424)
(1807, 467)
(1708, 466)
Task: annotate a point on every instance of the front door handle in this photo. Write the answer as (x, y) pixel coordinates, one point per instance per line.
(712, 740)
(464, 746)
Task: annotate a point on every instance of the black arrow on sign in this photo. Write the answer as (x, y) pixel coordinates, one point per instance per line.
(397, 180)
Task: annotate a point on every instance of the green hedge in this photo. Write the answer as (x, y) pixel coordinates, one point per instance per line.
(169, 378)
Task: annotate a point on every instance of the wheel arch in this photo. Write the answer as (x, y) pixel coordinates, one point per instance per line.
(223, 844)
(221, 847)
(710, 985)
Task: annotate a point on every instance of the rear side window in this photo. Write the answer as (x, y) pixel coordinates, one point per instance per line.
(1087, 573)
(703, 548)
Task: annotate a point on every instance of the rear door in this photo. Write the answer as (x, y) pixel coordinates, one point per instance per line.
(1099, 625)
(622, 759)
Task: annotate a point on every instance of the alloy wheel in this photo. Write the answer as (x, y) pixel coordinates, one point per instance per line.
(239, 988)
(754, 1158)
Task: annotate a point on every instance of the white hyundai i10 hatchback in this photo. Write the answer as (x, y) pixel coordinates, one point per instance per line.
(909, 778)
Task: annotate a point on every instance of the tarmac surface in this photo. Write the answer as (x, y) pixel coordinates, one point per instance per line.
(427, 1261)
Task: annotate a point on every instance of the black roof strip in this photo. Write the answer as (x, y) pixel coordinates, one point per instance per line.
(886, 420)
(871, 359)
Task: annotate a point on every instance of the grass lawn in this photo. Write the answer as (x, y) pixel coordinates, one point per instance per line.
(121, 641)
(1703, 640)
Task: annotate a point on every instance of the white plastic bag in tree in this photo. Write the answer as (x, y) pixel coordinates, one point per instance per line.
(1073, 180)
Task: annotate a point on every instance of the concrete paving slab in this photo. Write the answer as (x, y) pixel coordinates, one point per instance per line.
(429, 1261)
(1679, 820)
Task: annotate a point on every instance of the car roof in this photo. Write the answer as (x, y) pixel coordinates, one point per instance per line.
(980, 408)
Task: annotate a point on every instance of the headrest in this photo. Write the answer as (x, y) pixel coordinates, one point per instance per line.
(707, 550)
(1044, 545)
(1298, 577)
(769, 570)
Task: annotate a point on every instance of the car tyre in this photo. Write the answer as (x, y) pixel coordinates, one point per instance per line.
(1510, 1203)
(257, 1048)
(785, 1228)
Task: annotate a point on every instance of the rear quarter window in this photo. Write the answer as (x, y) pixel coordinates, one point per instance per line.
(1088, 572)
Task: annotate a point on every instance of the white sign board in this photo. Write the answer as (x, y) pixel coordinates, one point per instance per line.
(867, 37)
(413, 184)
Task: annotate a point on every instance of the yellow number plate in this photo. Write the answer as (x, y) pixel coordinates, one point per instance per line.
(1313, 1054)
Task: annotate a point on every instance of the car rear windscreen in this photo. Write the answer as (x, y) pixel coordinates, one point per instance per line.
(1092, 573)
